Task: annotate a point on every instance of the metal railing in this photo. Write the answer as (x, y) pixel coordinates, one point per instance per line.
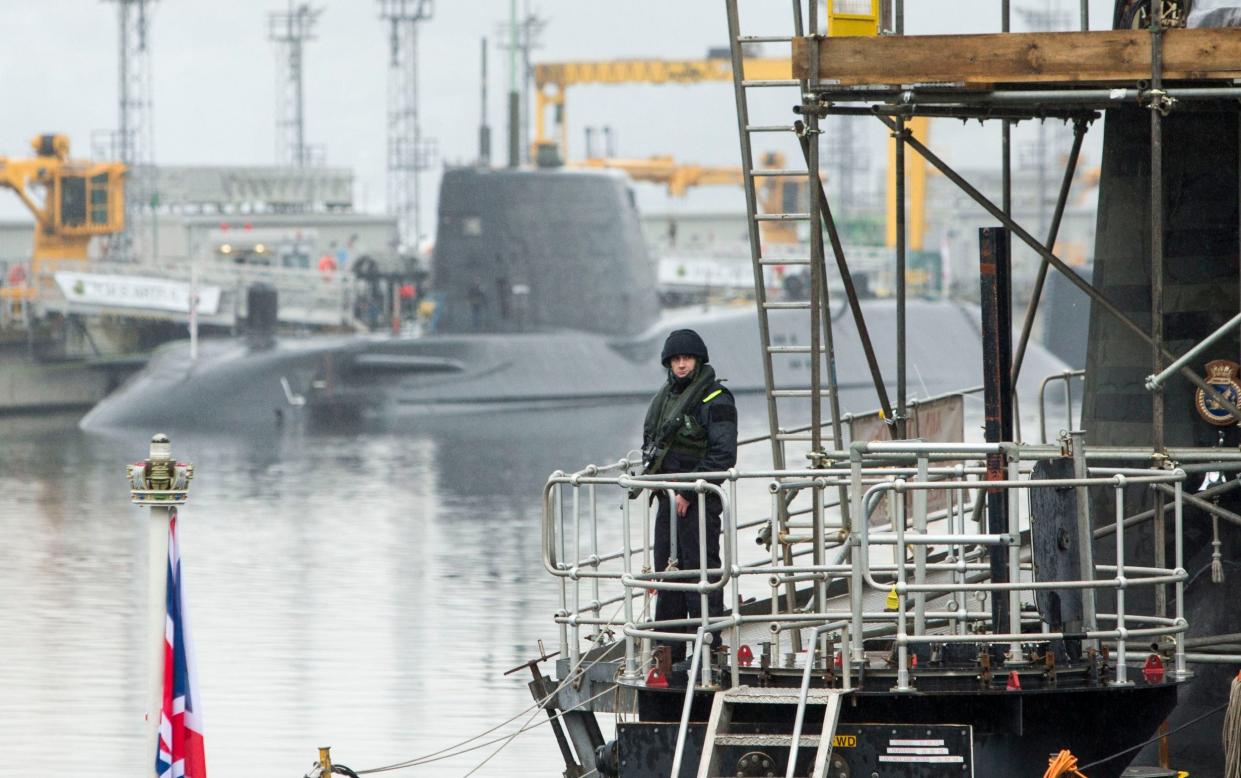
(1070, 419)
(932, 589)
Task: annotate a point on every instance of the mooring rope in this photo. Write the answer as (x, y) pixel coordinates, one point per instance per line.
(1155, 739)
(1232, 731)
(536, 706)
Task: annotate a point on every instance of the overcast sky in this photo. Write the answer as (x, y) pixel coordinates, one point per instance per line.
(215, 79)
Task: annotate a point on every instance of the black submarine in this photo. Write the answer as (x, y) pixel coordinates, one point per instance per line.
(547, 298)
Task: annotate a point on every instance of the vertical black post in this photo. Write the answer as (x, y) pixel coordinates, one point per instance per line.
(997, 349)
(484, 130)
(902, 430)
(1157, 107)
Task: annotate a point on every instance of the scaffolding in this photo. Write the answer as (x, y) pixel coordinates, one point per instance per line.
(1008, 78)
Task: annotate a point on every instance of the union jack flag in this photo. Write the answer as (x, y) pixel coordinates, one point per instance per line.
(180, 752)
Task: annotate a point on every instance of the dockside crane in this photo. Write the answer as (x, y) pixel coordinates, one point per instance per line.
(72, 201)
(776, 194)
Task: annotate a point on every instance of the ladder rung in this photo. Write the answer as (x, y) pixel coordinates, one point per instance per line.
(800, 304)
(800, 437)
(776, 171)
(768, 128)
(786, 261)
(770, 82)
(768, 741)
(764, 39)
(788, 350)
(781, 217)
(767, 695)
(798, 392)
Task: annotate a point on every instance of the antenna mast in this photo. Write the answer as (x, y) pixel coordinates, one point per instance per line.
(290, 30)
(408, 152)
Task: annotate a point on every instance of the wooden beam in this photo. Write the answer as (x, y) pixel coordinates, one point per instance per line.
(1107, 56)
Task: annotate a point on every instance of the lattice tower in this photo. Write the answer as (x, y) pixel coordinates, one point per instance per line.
(290, 30)
(409, 153)
(133, 140)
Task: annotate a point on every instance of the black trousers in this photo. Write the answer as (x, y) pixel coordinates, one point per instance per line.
(682, 604)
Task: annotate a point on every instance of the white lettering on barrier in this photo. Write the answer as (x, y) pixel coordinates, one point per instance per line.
(136, 292)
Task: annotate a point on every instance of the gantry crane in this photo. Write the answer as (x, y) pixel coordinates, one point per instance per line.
(72, 201)
(552, 79)
(774, 196)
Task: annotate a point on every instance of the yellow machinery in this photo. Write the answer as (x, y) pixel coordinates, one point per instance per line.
(915, 187)
(559, 76)
(775, 194)
(79, 200)
(845, 18)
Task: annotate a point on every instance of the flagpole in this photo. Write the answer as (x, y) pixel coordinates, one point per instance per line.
(160, 483)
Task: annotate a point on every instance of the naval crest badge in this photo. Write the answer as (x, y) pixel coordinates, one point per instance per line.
(1222, 375)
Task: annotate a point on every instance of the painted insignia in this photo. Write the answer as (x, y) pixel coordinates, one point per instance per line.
(1222, 375)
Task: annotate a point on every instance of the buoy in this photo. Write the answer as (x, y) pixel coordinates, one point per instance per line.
(1014, 682)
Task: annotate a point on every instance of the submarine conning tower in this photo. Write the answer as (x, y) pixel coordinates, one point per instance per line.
(1200, 273)
(522, 250)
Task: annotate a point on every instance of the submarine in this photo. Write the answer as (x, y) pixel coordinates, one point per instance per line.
(546, 298)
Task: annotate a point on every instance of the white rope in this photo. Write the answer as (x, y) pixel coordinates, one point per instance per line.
(536, 706)
(501, 747)
(1217, 564)
(1232, 731)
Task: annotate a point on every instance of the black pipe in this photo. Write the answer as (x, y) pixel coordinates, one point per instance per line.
(484, 130)
(514, 129)
(997, 341)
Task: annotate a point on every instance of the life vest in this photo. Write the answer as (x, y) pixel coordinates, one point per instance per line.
(689, 438)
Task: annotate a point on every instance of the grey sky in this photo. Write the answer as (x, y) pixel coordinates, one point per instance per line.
(215, 79)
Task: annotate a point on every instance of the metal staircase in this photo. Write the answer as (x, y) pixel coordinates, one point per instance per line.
(720, 734)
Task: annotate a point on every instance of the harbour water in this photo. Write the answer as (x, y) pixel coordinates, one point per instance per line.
(360, 589)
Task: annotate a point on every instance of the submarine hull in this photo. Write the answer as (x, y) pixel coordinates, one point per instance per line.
(346, 380)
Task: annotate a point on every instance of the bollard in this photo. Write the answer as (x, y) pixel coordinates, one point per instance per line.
(160, 483)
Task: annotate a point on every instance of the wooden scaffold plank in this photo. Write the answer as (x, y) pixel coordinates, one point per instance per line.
(1102, 57)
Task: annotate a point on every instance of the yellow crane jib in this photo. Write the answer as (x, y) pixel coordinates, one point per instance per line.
(551, 79)
(72, 201)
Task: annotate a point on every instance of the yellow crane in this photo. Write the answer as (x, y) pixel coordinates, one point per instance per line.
(774, 194)
(552, 79)
(845, 18)
(72, 201)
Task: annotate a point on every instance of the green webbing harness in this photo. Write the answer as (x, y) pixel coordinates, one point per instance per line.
(663, 424)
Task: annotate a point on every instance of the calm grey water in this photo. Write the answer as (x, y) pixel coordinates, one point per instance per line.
(359, 589)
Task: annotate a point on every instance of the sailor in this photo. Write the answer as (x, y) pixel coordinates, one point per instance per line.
(690, 427)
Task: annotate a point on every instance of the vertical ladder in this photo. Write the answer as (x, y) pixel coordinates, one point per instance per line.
(820, 350)
(720, 731)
